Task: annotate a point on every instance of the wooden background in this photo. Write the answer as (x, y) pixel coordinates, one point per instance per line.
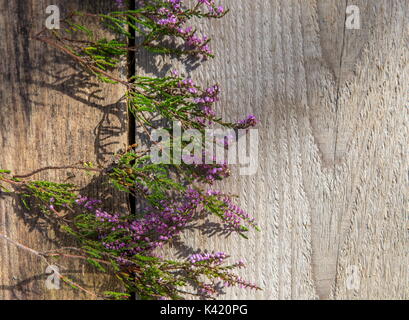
(52, 114)
(331, 190)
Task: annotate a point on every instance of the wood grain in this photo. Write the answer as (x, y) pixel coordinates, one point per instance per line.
(330, 192)
(331, 188)
(51, 114)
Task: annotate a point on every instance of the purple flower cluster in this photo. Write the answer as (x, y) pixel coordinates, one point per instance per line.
(188, 85)
(250, 121)
(207, 290)
(227, 279)
(205, 101)
(153, 230)
(241, 283)
(87, 203)
(217, 257)
(203, 171)
(203, 98)
(172, 16)
(133, 235)
(234, 217)
(210, 173)
(51, 206)
(141, 188)
(213, 9)
(104, 216)
(199, 44)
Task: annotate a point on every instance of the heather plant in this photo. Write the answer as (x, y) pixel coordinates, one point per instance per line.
(174, 195)
(154, 182)
(125, 245)
(158, 26)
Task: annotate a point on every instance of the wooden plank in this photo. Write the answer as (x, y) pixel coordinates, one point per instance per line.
(330, 190)
(51, 114)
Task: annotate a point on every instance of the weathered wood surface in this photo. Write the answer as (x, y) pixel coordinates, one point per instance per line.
(50, 115)
(330, 190)
(333, 103)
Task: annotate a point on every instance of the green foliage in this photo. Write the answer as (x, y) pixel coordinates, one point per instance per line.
(100, 55)
(124, 246)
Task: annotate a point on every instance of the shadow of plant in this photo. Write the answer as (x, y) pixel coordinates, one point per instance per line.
(60, 75)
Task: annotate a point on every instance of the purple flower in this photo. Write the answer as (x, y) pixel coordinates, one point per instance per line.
(250, 121)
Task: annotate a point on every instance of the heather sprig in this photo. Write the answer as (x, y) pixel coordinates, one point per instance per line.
(173, 97)
(156, 182)
(159, 25)
(172, 195)
(125, 245)
(169, 279)
(128, 243)
(176, 99)
(45, 196)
